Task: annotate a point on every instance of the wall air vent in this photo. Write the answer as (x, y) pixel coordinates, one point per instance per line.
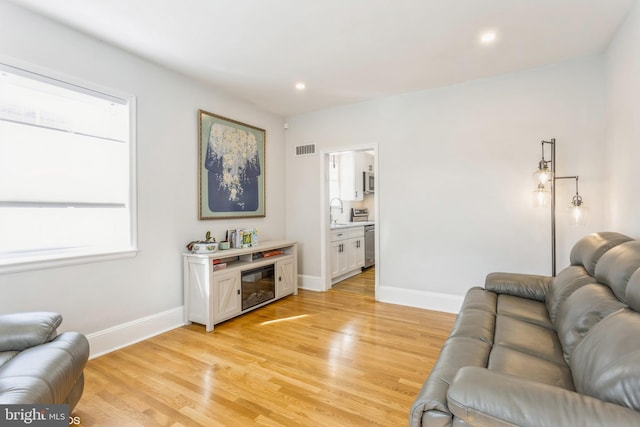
(305, 150)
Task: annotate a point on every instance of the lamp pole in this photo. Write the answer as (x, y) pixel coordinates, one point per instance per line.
(553, 205)
(576, 201)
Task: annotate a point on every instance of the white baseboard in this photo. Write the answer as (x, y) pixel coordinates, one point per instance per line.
(125, 334)
(421, 299)
(410, 297)
(310, 283)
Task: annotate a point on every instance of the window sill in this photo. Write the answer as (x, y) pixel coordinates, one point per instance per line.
(60, 260)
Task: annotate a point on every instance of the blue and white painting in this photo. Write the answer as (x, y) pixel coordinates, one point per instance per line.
(232, 171)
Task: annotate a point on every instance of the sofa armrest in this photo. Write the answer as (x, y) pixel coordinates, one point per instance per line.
(47, 373)
(482, 397)
(19, 331)
(528, 286)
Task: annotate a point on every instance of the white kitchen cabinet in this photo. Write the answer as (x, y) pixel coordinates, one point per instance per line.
(355, 253)
(213, 294)
(364, 162)
(346, 174)
(350, 177)
(338, 258)
(347, 252)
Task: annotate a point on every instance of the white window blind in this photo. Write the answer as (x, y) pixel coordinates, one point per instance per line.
(66, 169)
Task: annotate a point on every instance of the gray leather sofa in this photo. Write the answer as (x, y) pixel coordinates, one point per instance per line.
(38, 366)
(539, 351)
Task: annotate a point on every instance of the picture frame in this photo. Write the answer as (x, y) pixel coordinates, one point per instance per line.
(231, 168)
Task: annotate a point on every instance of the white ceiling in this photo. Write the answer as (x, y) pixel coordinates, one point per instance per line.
(344, 50)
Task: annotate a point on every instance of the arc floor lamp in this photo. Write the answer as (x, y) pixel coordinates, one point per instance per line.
(545, 195)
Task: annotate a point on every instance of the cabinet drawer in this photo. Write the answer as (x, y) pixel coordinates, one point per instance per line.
(339, 234)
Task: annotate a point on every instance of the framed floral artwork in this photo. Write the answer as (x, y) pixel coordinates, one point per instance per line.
(231, 168)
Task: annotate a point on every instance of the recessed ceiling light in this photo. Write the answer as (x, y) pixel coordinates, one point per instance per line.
(300, 86)
(488, 37)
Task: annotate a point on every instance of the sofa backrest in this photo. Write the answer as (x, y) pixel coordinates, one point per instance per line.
(588, 250)
(577, 301)
(581, 311)
(606, 363)
(616, 267)
(585, 255)
(598, 325)
(633, 291)
(563, 285)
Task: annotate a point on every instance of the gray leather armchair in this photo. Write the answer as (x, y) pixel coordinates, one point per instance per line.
(537, 351)
(38, 366)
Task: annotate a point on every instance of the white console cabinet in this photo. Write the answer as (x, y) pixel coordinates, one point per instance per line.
(252, 278)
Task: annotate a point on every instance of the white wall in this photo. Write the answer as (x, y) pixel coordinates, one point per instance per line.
(95, 297)
(623, 126)
(454, 180)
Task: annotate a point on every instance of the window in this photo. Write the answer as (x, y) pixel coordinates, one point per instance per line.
(67, 169)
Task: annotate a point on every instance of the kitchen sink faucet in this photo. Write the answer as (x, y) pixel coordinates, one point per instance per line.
(331, 220)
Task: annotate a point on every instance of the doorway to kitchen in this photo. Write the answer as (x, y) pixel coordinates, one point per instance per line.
(350, 206)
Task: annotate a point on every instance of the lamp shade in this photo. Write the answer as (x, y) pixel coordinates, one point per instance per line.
(577, 211)
(541, 196)
(543, 175)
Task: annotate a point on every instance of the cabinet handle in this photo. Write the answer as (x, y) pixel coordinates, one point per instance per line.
(238, 291)
(279, 278)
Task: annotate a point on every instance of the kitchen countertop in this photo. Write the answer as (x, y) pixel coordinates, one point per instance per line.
(350, 224)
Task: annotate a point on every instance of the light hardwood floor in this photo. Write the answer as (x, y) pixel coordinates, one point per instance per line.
(317, 359)
(363, 283)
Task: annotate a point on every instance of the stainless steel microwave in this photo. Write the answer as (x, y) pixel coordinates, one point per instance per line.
(369, 182)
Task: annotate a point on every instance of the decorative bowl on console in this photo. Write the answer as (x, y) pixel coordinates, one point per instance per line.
(206, 246)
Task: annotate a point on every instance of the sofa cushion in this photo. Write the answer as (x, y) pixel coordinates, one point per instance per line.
(528, 338)
(486, 398)
(524, 309)
(19, 331)
(616, 267)
(588, 250)
(513, 362)
(606, 363)
(581, 311)
(564, 284)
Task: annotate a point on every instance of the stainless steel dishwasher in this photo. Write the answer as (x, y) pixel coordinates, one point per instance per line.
(362, 215)
(369, 245)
